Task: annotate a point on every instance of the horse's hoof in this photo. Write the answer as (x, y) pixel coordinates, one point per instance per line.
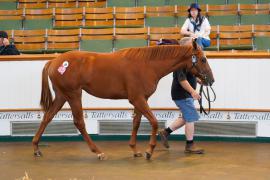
(138, 154)
(148, 155)
(37, 154)
(101, 156)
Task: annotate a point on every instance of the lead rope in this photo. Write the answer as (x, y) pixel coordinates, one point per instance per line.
(207, 97)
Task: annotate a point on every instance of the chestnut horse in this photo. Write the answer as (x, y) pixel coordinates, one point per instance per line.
(131, 73)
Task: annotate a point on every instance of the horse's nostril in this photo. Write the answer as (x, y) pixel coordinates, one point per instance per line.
(212, 82)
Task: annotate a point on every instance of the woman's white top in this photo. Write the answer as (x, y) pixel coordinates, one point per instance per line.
(204, 29)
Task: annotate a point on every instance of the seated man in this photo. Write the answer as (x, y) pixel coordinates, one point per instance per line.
(5, 47)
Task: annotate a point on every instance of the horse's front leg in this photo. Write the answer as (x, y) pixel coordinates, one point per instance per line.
(136, 124)
(141, 105)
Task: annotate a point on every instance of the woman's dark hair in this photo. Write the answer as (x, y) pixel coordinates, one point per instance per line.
(198, 18)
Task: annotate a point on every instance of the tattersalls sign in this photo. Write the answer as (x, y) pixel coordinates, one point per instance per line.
(93, 117)
(128, 114)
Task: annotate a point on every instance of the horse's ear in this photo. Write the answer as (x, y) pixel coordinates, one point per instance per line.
(194, 43)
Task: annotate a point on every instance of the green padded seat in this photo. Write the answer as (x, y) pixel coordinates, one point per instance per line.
(160, 21)
(8, 5)
(255, 19)
(223, 20)
(40, 51)
(236, 47)
(242, 1)
(38, 24)
(121, 3)
(212, 2)
(10, 24)
(264, 1)
(128, 43)
(262, 43)
(179, 2)
(97, 45)
(51, 51)
(211, 48)
(152, 2)
(181, 20)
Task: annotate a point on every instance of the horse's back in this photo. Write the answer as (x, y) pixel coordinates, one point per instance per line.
(93, 72)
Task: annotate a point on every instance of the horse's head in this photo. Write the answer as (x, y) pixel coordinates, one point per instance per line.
(198, 65)
(197, 62)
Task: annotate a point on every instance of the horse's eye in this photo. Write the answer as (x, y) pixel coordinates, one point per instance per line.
(204, 60)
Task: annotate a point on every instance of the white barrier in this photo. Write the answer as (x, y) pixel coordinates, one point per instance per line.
(240, 84)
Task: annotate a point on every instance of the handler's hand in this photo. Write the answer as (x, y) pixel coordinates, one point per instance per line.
(199, 81)
(195, 95)
(6, 42)
(194, 36)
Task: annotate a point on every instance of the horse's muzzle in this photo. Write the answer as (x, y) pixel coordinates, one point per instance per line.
(211, 82)
(208, 81)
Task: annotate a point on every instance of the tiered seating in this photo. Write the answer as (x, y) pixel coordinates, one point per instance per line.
(156, 33)
(214, 2)
(38, 19)
(98, 18)
(68, 18)
(98, 40)
(32, 4)
(129, 17)
(151, 2)
(92, 3)
(59, 3)
(262, 37)
(179, 3)
(130, 37)
(223, 14)
(242, 1)
(235, 37)
(254, 13)
(11, 19)
(163, 16)
(121, 3)
(244, 37)
(29, 41)
(8, 4)
(214, 39)
(235, 40)
(62, 40)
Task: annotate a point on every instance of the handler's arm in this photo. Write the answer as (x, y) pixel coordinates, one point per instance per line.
(185, 84)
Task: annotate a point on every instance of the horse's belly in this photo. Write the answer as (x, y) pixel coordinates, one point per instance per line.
(106, 91)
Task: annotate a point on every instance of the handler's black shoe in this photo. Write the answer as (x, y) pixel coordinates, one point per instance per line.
(193, 149)
(164, 138)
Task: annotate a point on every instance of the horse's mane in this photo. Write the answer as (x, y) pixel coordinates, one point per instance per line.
(154, 52)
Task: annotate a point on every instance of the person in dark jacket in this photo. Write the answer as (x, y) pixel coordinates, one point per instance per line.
(183, 93)
(5, 47)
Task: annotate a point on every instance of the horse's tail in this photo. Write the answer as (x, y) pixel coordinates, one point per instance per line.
(46, 95)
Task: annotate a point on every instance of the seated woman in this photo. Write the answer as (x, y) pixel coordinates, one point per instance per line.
(5, 47)
(197, 26)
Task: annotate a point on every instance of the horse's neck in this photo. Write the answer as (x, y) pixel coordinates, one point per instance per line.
(164, 67)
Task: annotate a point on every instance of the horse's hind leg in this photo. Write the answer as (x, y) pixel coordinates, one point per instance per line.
(48, 116)
(136, 124)
(76, 107)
